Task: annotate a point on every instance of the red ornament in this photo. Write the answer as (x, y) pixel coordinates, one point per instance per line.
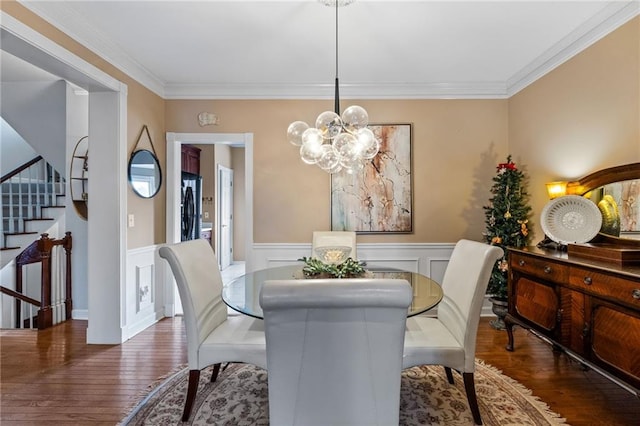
(509, 165)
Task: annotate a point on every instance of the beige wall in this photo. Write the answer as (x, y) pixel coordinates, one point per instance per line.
(456, 144)
(581, 117)
(143, 106)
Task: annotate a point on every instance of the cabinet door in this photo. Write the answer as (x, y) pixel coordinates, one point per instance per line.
(615, 340)
(536, 303)
(190, 159)
(574, 327)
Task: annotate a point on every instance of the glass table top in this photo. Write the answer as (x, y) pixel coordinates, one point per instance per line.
(242, 294)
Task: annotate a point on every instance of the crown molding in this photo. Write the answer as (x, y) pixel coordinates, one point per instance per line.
(27, 44)
(610, 18)
(470, 90)
(70, 22)
(67, 20)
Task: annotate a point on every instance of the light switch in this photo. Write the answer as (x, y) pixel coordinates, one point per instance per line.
(131, 221)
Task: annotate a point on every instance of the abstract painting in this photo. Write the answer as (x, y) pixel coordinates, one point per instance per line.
(379, 198)
(626, 195)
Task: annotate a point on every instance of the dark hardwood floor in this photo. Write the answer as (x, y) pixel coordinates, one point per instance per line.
(53, 377)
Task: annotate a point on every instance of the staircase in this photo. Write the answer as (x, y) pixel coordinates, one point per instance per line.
(54, 292)
(33, 197)
(33, 206)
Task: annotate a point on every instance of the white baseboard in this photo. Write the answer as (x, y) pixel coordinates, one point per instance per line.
(80, 314)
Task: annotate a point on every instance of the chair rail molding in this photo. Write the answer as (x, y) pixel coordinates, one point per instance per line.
(429, 259)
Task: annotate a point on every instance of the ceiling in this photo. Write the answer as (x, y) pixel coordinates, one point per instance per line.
(287, 49)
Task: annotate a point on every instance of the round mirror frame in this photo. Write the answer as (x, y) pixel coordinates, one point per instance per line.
(604, 177)
(157, 172)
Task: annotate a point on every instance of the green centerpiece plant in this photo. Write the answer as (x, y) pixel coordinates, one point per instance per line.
(315, 268)
(507, 217)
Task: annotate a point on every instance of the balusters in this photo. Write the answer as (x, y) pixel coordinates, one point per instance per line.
(11, 224)
(27, 190)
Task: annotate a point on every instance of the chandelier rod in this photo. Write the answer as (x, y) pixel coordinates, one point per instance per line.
(336, 105)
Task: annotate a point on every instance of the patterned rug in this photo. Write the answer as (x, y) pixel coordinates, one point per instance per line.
(239, 397)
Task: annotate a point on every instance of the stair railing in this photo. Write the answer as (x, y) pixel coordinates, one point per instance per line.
(26, 190)
(55, 304)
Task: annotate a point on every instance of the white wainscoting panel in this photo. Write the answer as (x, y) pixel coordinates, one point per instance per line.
(429, 259)
(144, 292)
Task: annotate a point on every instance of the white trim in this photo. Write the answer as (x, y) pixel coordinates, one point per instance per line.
(106, 259)
(106, 226)
(66, 19)
(174, 166)
(68, 66)
(382, 90)
(420, 257)
(137, 318)
(610, 18)
(80, 314)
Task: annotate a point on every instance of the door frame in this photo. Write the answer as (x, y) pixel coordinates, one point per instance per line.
(219, 241)
(106, 226)
(174, 169)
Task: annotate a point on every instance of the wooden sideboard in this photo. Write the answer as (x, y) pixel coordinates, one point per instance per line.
(588, 308)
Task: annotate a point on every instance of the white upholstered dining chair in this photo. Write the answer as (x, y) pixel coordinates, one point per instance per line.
(450, 338)
(212, 337)
(334, 350)
(334, 239)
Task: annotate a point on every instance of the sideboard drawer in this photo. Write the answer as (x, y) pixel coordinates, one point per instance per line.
(539, 267)
(612, 287)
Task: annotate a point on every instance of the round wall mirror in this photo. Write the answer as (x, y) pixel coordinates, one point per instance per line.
(145, 175)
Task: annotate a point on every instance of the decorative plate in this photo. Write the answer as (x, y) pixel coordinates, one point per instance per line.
(571, 219)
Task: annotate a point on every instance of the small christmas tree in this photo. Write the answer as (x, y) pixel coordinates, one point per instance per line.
(507, 216)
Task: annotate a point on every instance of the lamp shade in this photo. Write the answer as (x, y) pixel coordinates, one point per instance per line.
(556, 189)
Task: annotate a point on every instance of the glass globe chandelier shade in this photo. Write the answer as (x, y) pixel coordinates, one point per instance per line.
(337, 142)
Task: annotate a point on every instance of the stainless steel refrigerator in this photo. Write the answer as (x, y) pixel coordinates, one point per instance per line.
(191, 206)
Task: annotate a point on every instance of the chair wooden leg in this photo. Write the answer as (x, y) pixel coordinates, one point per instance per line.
(470, 388)
(192, 388)
(214, 373)
(447, 370)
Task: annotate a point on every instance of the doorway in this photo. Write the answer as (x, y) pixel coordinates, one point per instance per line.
(174, 168)
(106, 233)
(224, 204)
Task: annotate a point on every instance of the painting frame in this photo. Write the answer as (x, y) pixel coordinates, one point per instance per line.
(378, 199)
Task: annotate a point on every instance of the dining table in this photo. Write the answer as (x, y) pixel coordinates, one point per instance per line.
(242, 294)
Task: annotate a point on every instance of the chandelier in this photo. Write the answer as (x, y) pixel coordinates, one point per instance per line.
(337, 142)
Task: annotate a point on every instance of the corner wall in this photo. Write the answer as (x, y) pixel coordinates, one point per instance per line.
(581, 117)
(34, 111)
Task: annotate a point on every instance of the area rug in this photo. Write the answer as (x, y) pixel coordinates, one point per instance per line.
(239, 397)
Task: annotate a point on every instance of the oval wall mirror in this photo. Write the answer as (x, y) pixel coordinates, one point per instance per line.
(145, 175)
